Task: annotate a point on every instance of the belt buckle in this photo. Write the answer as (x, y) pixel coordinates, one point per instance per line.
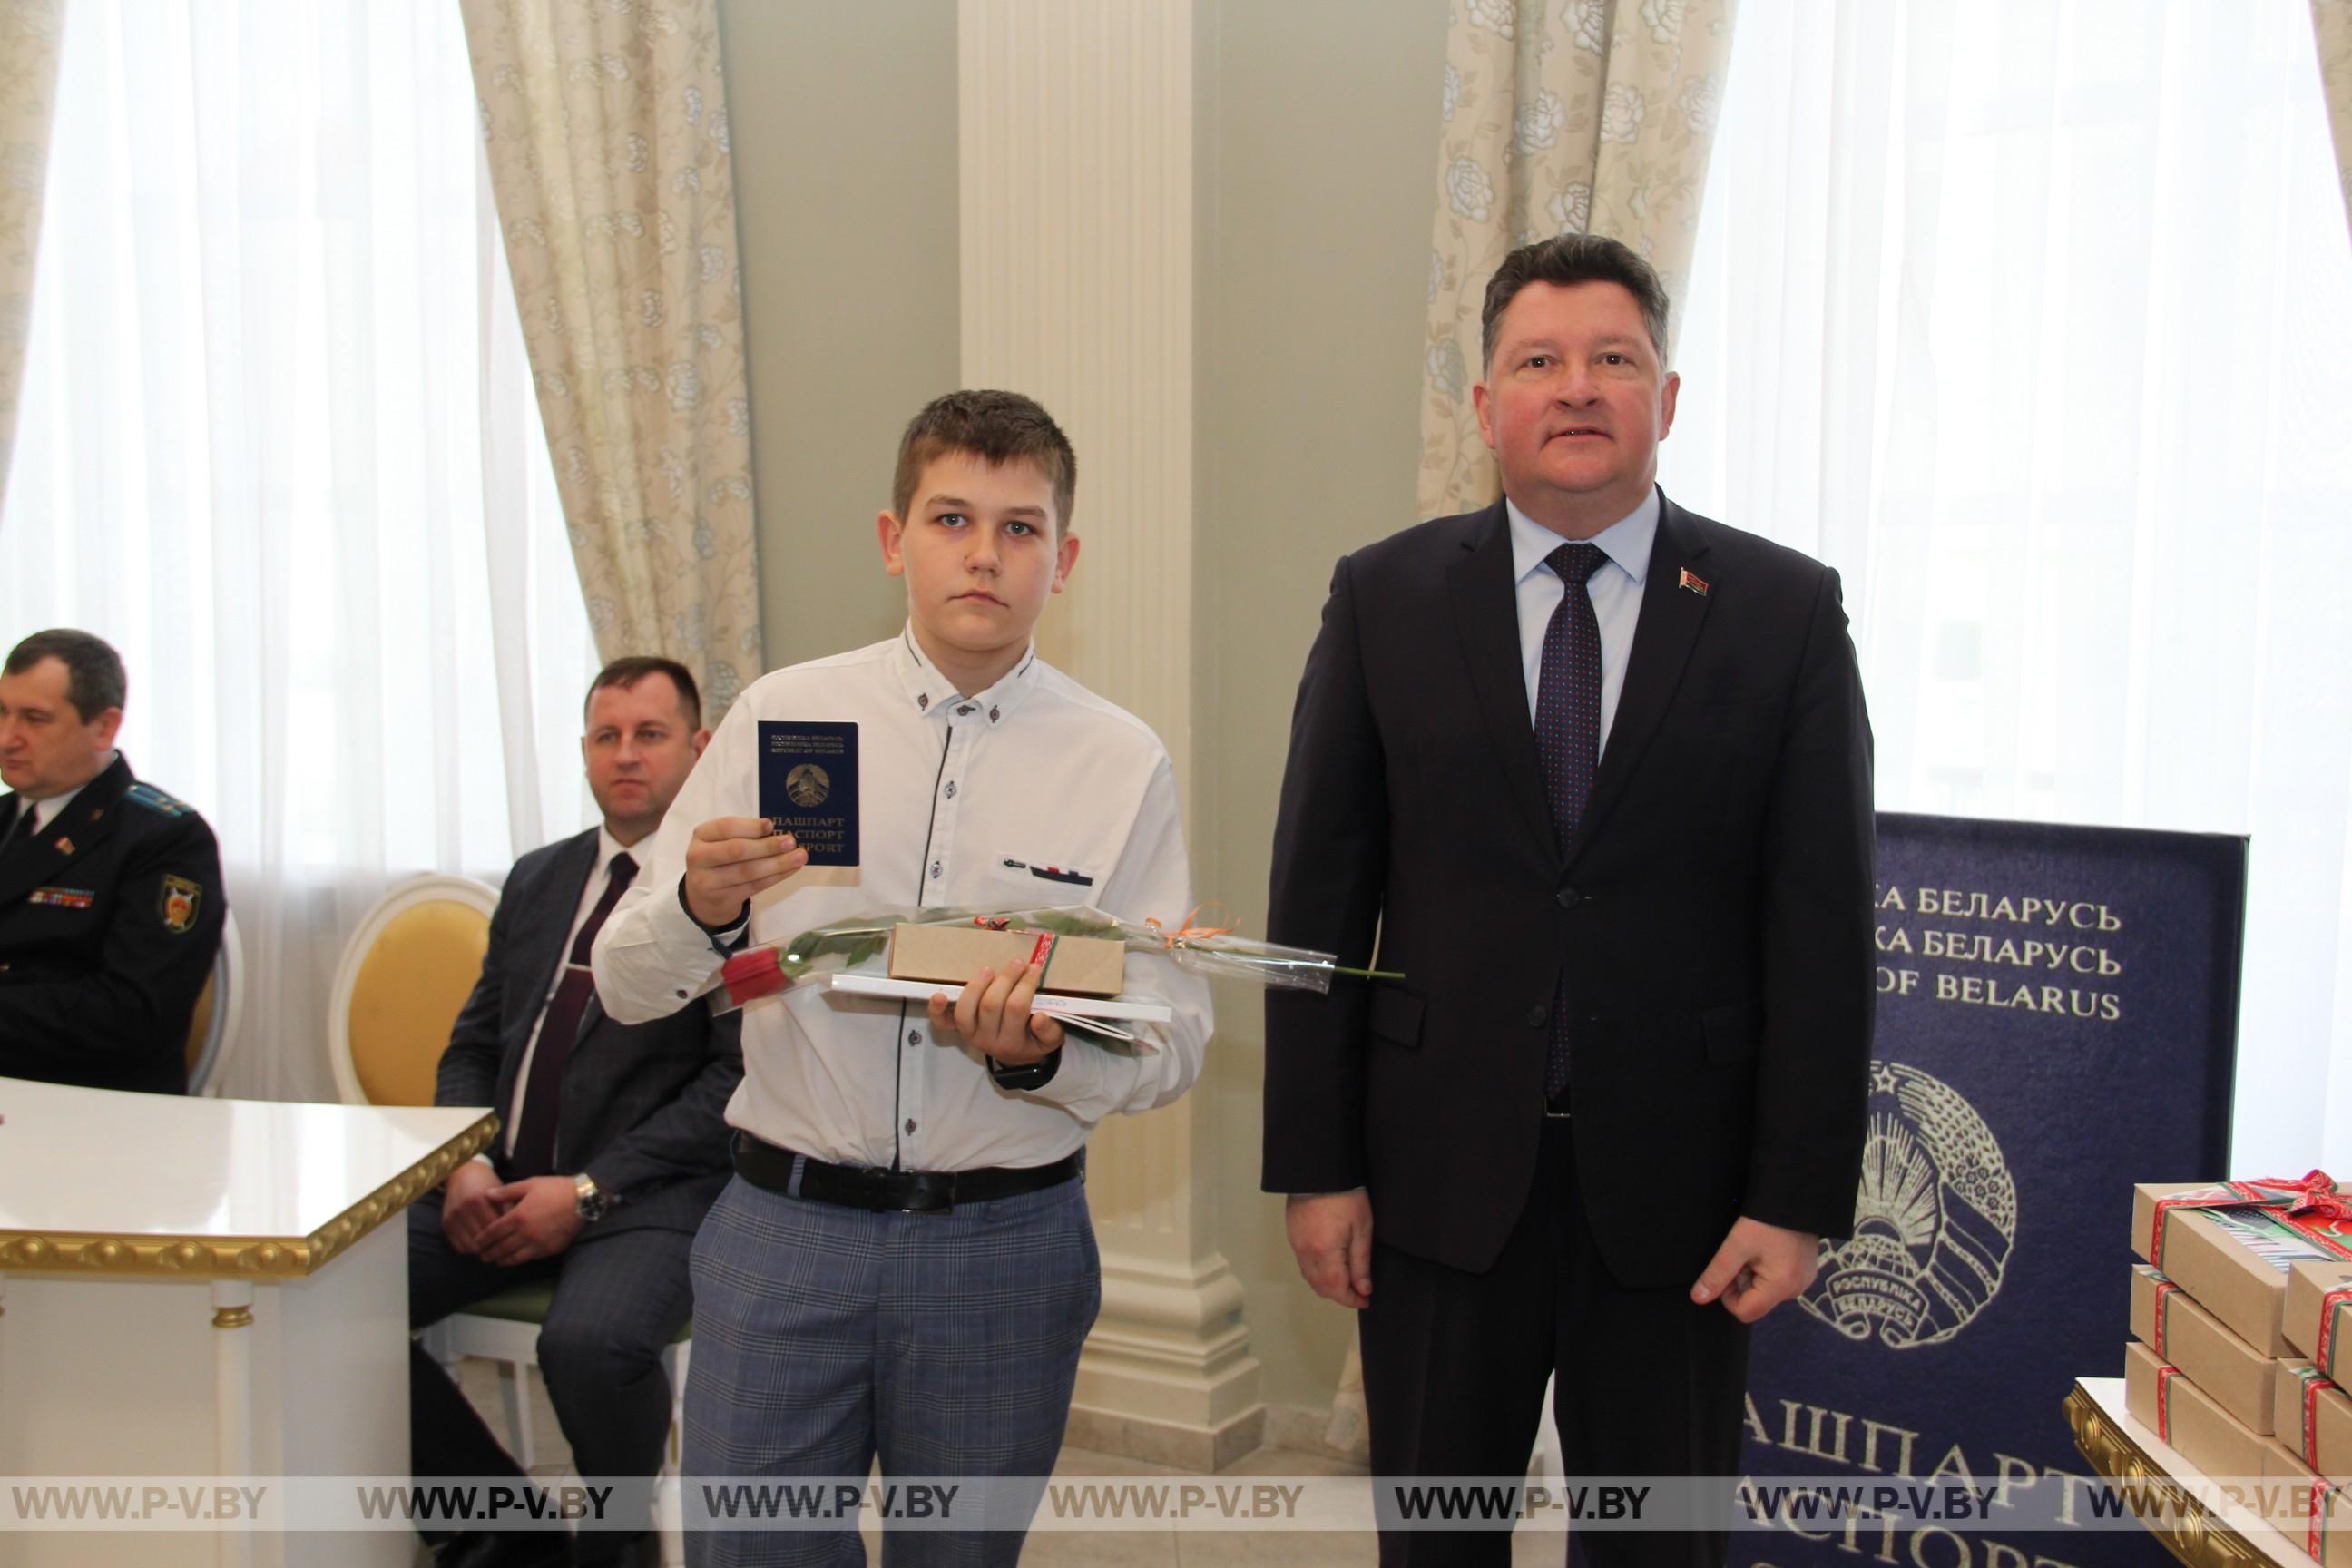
(936, 1186)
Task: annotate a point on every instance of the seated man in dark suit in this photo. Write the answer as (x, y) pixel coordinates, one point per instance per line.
(611, 1150)
(110, 904)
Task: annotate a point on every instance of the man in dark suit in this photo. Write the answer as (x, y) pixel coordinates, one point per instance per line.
(1595, 773)
(110, 901)
(613, 1145)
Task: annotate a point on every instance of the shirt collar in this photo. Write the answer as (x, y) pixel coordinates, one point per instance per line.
(933, 693)
(43, 813)
(1626, 541)
(606, 847)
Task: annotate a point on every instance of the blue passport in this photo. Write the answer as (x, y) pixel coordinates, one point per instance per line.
(808, 788)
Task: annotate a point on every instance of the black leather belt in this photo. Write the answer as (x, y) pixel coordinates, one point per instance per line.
(763, 1164)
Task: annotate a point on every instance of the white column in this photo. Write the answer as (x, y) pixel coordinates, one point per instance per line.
(1076, 126)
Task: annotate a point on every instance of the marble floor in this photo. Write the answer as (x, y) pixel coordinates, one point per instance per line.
(1191, 1546)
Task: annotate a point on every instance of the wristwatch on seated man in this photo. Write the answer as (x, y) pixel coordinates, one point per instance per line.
(593, 1202)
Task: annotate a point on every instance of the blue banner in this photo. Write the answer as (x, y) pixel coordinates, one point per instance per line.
(2057, 1020)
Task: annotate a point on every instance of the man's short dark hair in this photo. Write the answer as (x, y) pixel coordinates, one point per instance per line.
(997, 427)
(94, 680)
(626, 672)
(1571, 259)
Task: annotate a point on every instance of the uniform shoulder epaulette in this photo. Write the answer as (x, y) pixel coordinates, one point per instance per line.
(154, 799)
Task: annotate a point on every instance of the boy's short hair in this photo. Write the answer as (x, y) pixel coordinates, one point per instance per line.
(998, 427)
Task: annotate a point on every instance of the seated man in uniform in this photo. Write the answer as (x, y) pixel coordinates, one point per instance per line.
(110, 904)
(611, 1151)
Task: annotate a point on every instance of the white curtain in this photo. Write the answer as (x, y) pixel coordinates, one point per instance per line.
(2035, 320)
(278, 444)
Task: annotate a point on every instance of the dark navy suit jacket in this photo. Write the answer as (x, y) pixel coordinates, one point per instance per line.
(1712, 913)
(642, 1102)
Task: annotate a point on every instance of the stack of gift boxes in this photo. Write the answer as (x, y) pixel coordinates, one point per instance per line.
(2242, 1313)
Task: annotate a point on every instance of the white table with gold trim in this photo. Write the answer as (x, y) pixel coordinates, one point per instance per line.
(2210, 1535)
(209, 1288)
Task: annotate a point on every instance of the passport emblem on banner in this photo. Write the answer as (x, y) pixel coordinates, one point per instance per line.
(1933, 1224)
(808, 788)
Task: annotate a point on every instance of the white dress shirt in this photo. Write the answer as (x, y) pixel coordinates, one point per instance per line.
(1616, 591)
(37, 814)
(592, 890)
(959, 796)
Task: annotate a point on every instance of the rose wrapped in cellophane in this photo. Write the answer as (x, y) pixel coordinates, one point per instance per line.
(764, 969)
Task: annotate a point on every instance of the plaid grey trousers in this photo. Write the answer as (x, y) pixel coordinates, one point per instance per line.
(944, 1344)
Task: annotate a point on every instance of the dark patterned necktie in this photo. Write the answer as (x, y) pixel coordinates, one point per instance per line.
(1568, 738)
(542, 1097)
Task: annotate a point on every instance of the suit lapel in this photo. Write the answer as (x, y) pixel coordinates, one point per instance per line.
(1483, 587)
(1662, 638)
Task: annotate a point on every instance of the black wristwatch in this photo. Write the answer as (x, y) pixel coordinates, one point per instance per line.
(740, 925)
(1036, 1075)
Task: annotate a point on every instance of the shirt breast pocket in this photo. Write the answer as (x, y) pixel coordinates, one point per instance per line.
(1061, 879)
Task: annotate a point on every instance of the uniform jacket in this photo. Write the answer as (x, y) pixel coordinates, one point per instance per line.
(108, 925)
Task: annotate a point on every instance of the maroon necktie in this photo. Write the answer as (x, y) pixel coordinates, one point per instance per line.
(1567, 739)
(542, 1098)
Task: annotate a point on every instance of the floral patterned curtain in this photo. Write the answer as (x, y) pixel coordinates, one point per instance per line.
(30, 33)
(605, 122)
(1560, 117)
(2331, 21)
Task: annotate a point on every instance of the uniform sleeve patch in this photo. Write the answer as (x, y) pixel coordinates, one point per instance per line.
(155, 800)
(181, 899)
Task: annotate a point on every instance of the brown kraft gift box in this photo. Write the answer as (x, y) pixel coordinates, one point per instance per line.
(2170, 1323)
(2318, 1515)
(2186, 1418)
(1076, 965)
(2313, 1419)
(2318, 1315)
(2233, 1261)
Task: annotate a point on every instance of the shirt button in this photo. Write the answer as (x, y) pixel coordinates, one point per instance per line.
(910, 1124)
(923, 701)
(934, 870)
(1538, 1016)
(965, 709)
(1570, 898)
(950, 789)
(914, 1036)
(991, 715)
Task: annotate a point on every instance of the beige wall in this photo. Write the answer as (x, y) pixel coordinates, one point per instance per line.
(1318, 167)
(843, 125)
(1315, 166)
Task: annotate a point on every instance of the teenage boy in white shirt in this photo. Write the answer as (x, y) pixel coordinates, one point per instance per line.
(903, 1266)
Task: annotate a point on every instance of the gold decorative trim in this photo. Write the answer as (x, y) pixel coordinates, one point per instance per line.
(2202, 1540)
(233, 1318)
(247, 1257)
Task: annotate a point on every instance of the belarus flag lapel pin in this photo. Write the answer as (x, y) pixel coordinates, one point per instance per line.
(1694, 581)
